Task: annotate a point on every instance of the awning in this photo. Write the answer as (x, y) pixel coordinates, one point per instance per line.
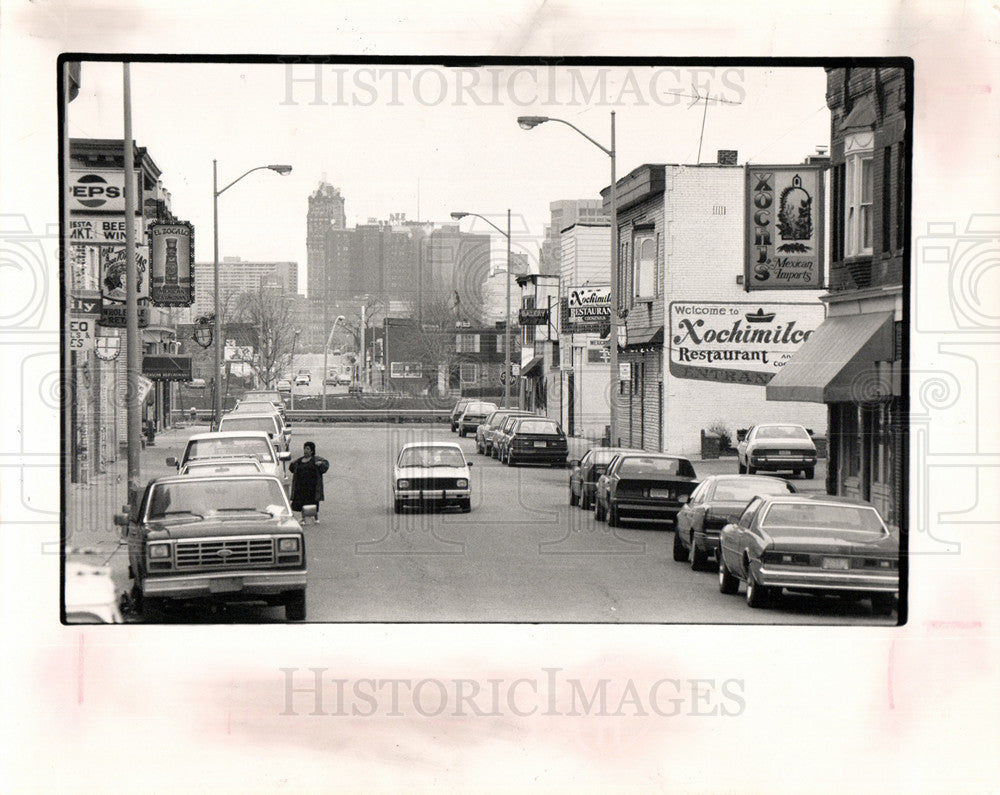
(838, 362)
(528, 370)
(651, 335)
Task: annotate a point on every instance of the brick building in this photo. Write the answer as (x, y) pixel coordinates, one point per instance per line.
(854, 364)
(681, 263)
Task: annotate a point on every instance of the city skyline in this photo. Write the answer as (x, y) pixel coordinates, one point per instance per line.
(397, 152)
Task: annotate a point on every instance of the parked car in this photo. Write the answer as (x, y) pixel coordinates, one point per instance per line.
(650, 486)
(777, 447)
(344, 379)
(303, 379)
(584, 474)
(486, 431)
(456, 412)
(225, 538)
(230, 444)
(474, 415)
(356, 388)
(196, 383)
(245, 465)
(431, 473)
(717, 498)
(284, 385)
(502, 434)
(812, 543)
(89, 595)
(271, 423)
(536, 440)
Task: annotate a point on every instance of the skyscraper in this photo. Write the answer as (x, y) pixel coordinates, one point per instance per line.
(326, 211)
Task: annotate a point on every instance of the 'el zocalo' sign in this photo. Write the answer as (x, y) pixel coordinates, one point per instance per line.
(784, 228)
(737, 342)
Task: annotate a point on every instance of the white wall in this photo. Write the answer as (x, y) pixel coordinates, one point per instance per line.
(585, 260)
(703, 253)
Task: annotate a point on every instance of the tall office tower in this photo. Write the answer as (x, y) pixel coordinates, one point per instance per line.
(565, 213)
(326, 211)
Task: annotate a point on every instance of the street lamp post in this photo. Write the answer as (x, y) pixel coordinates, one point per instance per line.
(291, 366)
(506, 346)
(329, 342)
(530, 122)
(219, 341)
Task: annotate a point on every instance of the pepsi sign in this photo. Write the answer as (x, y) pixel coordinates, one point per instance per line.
(98, 191)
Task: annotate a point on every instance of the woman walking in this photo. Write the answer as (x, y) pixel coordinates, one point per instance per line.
(307, 478)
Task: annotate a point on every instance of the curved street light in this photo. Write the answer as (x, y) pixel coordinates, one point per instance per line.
(506, 346)
(219, 341)
(326, 348)
(529, 123)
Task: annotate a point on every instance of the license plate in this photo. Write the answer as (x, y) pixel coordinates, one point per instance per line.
(663, 494)
(432, 495)
(227, 585)
(540, 444)
(838, 564)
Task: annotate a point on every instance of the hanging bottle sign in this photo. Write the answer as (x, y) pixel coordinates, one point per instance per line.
(171, 251)
(784, 227)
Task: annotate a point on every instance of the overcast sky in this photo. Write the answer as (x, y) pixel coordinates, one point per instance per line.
(426, 140)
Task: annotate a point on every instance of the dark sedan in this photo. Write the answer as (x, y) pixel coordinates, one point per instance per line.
(486, 432)
(456, 412)
(812, 543)
(474, 415)
(501, 436)
(717, 498)
(584, 474)
(536, 440)
(643, 486)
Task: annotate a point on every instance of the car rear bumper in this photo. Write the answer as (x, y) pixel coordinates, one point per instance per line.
(816, 579)
(707, 542)
(644, 509)
(247, 582)
(777, 463)
(539, 454)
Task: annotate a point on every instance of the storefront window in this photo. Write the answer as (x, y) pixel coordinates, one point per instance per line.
(851, 440)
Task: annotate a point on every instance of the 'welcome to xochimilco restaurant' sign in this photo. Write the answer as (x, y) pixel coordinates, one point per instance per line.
(784, 228)
(737, 342)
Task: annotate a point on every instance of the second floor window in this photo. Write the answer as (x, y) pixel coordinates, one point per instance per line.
(858, 193)
(644, 265)
(467, 343)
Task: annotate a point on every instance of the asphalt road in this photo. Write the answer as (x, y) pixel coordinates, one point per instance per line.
(522, 554)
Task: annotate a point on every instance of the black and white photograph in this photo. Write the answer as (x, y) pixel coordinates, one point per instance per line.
(537, 398)
(453, 280)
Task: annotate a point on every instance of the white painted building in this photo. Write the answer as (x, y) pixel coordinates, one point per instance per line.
(584, 279)
(699, 348)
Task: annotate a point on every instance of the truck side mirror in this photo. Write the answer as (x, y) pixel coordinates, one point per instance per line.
(172, 461)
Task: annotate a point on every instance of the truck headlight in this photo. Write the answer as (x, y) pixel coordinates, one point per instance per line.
(158, 551)
(402, 484)
(462, 483)
(288, 545)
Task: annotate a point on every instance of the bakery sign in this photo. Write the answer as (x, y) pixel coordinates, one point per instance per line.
(784, 228)
(737, 342)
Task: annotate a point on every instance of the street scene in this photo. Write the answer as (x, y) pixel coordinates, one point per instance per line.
(598, 376)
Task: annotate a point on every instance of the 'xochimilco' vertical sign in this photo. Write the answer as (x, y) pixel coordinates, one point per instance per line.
(784, 227)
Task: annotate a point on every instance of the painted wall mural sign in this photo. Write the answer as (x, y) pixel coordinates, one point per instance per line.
(738, 342)
(784, 228)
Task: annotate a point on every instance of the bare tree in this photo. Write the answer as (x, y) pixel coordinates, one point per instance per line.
(269, 312)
